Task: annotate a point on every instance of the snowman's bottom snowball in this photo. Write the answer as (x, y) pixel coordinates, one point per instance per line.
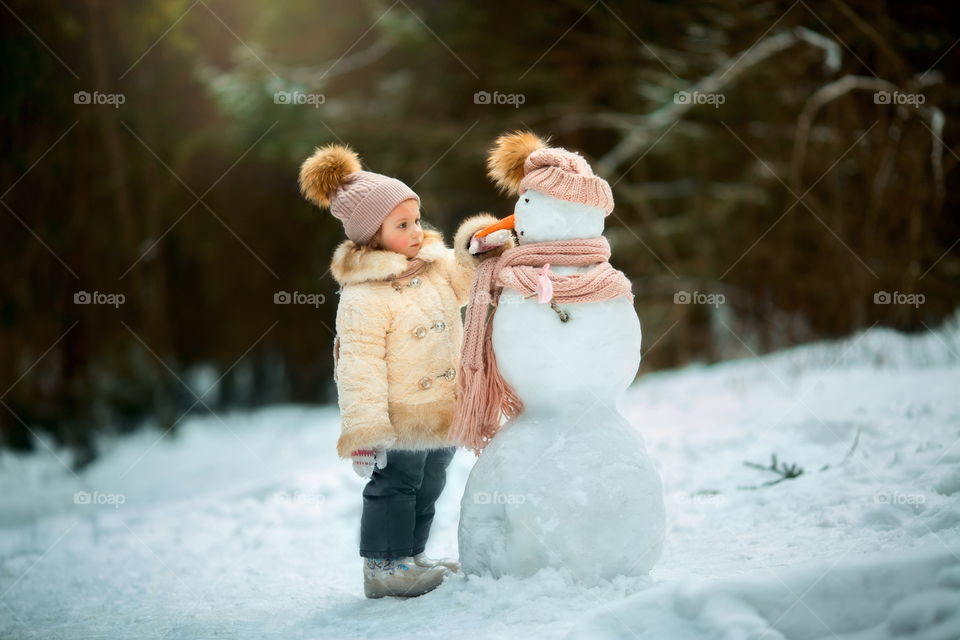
(577, 493)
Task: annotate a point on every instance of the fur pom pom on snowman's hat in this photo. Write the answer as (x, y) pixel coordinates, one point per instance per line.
(325, 171)
(506, 159)
(332, 177)
(521, 161)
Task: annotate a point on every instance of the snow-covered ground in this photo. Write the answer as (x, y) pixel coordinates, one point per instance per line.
(245, 525)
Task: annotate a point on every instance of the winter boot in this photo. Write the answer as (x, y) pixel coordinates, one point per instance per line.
(450, 564)
(401, 577)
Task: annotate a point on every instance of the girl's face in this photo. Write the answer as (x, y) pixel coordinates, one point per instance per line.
(401, 230)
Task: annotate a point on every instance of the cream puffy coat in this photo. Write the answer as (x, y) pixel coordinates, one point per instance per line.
(397, 350)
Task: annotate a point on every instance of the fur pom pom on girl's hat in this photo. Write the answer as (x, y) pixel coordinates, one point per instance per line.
(521, 161)
(332, 178)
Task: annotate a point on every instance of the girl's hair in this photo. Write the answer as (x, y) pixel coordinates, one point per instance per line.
(375, 243)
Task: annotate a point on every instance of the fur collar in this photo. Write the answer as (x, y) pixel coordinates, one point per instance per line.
(353, 263)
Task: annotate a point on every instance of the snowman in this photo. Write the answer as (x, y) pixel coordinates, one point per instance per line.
(566, 482)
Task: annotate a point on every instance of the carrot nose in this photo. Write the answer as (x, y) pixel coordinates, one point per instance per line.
(505, 223)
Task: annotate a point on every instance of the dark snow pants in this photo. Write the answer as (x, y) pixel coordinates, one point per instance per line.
(398, 502)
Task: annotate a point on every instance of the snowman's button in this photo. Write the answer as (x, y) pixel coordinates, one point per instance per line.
(416, 282)
(425, 383)
(439, 325)
(420, 331)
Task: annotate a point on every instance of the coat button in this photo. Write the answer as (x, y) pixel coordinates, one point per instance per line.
(420, 331)
(439, 325)
(416, 282)
(450, 374)
(425, 383)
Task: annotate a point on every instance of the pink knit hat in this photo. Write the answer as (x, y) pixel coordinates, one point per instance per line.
(521, 161)
(332, 178)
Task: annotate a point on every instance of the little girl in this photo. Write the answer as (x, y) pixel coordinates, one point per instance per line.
(396, 355)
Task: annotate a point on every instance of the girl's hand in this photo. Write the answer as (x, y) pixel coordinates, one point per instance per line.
(490, 241)
(364, 460)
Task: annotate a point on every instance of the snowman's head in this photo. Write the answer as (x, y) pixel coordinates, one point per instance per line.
(542, 218)
(559, 197)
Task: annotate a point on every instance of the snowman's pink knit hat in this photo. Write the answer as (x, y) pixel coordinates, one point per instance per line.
(567, 176)
(521, 161)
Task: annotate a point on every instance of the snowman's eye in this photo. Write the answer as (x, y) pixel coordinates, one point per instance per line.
(526, 199)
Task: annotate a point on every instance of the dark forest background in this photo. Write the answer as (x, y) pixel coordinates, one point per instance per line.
(791, 167)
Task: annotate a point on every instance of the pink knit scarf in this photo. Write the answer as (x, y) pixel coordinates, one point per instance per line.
(483, 394)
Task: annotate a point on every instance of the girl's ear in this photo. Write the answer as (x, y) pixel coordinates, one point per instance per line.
(375, 240)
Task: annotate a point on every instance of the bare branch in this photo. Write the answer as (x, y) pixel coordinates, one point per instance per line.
(844, 85)
(641, 129)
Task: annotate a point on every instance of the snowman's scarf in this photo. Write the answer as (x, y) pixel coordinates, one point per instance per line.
(483, 394)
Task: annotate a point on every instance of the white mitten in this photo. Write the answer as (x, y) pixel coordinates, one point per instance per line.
(489, 241)
(364, 460)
